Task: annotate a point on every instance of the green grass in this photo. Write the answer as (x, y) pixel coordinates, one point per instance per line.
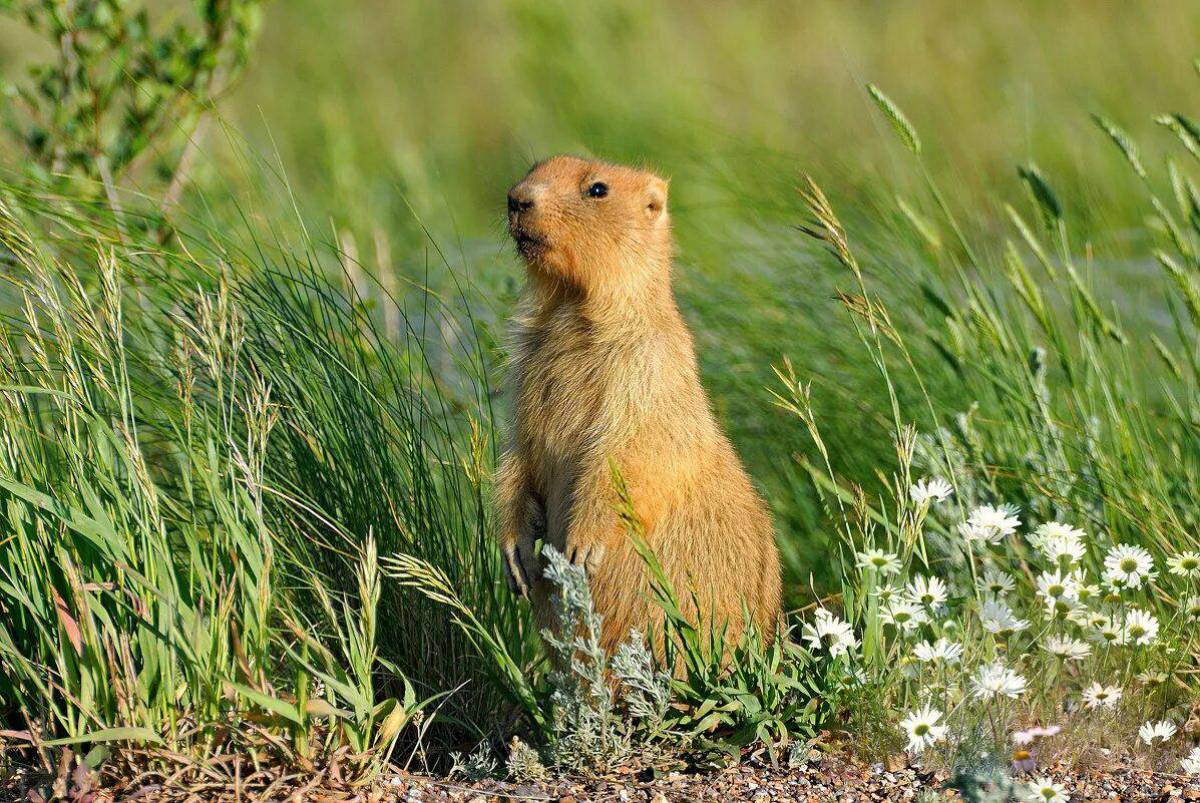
(432, 113)
(226, 446)
(399, 129)
(213, 438)
(1076, 417)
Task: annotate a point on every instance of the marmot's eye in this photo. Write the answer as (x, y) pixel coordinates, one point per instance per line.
(598, 190)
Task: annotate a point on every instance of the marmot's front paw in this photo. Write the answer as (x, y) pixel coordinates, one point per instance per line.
(518, 582)
(586, 555)
(520, 561)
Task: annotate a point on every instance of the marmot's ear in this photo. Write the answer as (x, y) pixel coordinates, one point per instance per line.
(656, 198)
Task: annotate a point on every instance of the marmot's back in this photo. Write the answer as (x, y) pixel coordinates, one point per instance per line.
(604, 374)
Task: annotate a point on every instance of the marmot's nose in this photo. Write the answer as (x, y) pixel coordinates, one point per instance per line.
(519, 201)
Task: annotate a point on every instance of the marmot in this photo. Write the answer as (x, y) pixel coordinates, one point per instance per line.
(604, 370)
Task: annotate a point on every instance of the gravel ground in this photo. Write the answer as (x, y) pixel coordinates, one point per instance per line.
(826, 779)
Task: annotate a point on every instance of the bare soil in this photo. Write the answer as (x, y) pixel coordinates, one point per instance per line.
(825, 778)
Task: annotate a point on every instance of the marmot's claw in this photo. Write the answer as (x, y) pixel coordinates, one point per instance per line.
(587, 556)
(518, 580)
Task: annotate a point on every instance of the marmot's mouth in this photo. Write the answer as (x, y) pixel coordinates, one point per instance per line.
(527, 243)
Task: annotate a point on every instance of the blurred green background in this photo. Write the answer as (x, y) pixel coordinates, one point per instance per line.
(452, 100)
(399, 126)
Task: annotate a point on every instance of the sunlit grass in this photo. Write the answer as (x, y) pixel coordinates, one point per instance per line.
(201, 462)
(245, 458)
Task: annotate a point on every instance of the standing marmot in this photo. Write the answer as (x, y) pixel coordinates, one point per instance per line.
(605, 371)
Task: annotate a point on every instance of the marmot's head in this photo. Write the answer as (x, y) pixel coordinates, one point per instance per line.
(591, 223)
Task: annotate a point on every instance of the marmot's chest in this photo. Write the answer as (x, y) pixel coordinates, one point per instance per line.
(564, 394)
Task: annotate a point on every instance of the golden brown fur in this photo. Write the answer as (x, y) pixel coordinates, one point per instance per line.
(604, 369)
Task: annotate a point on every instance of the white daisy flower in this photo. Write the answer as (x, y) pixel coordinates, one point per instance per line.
(1084, 590)
(1022, 738)
(1186, 564)
(997, 680)
(1141, 627)
(1151, 678)
(1058, 531)
(1057, 591)
(1097, 696)
(1028, 737)
(932, 489)
(829, 632)
(940, 651)
(1060, 543)
(1157, 731)
(1109, 630)
(1023, 760)
(997, 618)
(989, 524)
(1061, 607)
(882, 562)
(1088, 617)
(1081, 616)
(927, 591)
(996, 582)
(1044, 790)
(1127, 566)
(887, 592)
(1191, 764)
(1067, 648)
(1064, 553)
(1053, 585)
(844, 644)
(972, 534)
(904, 614)
(1002, 518)
(922, 728)
(1191, 607)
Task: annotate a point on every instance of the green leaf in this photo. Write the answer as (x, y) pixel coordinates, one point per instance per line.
(272, 704)
(104, 538)
(109, 735)
(37, 391)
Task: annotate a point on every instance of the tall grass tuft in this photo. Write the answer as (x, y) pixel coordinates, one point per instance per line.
(203, 450)
(1059, 582)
